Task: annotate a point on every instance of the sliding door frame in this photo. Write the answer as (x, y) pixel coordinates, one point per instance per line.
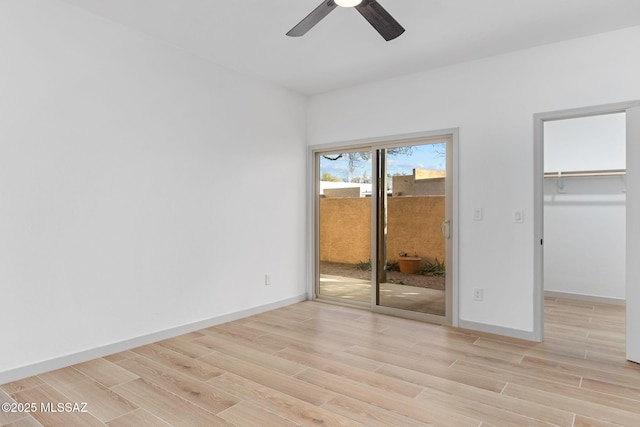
(452, 314)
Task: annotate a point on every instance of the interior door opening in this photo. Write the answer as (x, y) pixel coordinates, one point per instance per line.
(584, 207)
(587, 183)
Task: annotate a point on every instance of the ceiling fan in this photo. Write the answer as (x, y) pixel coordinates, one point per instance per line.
(372, 11)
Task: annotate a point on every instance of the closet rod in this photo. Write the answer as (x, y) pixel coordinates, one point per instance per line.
(610, 172)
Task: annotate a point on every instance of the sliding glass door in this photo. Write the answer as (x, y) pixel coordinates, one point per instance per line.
(344, 225)
(412, 227)
(383, 227)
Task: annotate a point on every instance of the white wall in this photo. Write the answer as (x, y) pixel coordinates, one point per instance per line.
(584, 237)
(585, 143)
(584, 218)
(135, 186)
(492, 101)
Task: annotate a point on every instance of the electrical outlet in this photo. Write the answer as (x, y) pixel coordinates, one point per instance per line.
(477, 294)
(477, 214)
(518, 216)
(267, 279)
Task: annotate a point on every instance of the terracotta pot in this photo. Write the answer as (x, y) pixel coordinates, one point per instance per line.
(409, 264)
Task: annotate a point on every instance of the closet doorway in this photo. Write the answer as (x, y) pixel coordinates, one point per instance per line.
(585, 207)
(586, 198)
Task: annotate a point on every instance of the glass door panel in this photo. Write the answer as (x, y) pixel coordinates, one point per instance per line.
(412, 227)
(344, 226)
(382, 227)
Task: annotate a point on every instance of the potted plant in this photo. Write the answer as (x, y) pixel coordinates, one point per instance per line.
(409, 264)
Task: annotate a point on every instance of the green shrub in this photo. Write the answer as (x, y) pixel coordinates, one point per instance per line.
(435, 268)
(364, 265)
(393, 266)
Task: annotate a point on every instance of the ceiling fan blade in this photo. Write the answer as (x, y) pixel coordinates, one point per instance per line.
(380, 19)
(312, 19)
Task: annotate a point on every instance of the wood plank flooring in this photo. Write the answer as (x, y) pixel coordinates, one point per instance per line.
(313, 364)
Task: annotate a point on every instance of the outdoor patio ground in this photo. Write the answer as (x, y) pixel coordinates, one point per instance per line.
(414, 298)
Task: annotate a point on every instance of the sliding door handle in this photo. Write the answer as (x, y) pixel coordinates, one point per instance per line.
(445, 229)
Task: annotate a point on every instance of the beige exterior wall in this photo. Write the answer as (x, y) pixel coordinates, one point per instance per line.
(413, 226)
(345, 229)
(422, 183)
(342, 192)
(428, 174)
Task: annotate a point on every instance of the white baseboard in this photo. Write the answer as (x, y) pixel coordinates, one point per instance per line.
(497, 330)
(94, 353)
(529, 335)
(582, 297)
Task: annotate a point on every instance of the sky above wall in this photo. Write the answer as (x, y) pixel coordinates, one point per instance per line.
(399, 162)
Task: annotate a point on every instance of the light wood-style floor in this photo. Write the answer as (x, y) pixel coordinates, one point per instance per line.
(314, 364)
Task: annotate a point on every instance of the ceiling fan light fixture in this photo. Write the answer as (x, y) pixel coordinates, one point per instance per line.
(370, 10)
(348, 3)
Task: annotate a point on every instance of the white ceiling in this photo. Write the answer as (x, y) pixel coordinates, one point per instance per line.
(343, 50)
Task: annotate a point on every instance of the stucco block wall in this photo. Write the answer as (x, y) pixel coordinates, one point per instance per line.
(413, 225)
(345, 229)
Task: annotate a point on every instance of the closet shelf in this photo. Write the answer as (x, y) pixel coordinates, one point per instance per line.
(560, 176)
(576, 174)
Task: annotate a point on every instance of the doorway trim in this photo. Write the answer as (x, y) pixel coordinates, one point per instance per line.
(313, 176)
(538, 196)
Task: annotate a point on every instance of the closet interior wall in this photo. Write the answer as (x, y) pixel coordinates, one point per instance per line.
(584, 207)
